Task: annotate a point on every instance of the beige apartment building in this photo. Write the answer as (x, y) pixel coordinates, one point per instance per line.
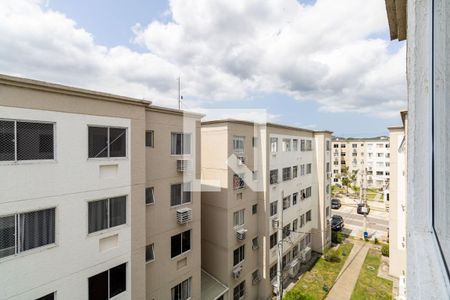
(358, 154)
(258, 178)
(113, 183)
(397, 204)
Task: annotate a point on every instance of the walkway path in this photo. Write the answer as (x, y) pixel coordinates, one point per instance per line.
(346, 280)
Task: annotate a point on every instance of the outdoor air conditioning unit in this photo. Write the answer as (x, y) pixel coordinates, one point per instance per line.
(241, 160)
(275, 223)
(184, 215)
(241, 233)
(307, 255)
(183, 165)
(294, 268)
(237, 272)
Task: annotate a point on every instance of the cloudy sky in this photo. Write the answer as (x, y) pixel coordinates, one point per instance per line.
(325, 64)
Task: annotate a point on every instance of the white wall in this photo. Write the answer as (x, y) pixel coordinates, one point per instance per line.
(67, 183)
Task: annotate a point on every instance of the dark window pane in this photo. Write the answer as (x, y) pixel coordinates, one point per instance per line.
(117, 137)
(175, 194)
(149, 197)
(186, 243)
(98, 286)
(117, 280)
(98, 215)
(175, 246)
(7, 236)
(149, 252)
(34, 141)
(98, 142)
(187, 193)
(6, 141)
(118, 211)
(150, 138)
(37, 229)
(47, 297)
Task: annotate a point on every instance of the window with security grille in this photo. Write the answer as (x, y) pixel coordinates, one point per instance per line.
(107, 213)
(108, 284)
(182, 291)
(20, 140)
(238, 255)
(149, 195)
(180, 243)
(180, 193)
(107, 142)
(239, 291)
(180, 143)
(26, 231)
(286, 173)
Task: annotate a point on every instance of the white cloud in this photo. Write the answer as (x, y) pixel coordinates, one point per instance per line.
(223, 50)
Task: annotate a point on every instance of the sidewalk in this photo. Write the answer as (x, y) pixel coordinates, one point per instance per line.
(343, 287)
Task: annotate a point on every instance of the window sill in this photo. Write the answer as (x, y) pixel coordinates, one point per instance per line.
(27, 162)
(182, 255)
(178, 205)
(107, 230)
(150, 261)
(97, 159)
(28, 252)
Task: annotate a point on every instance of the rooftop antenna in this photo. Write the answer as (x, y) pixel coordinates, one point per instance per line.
(179, 93)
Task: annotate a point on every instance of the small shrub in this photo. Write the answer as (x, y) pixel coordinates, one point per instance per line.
(375, 241)
(385, 250)
(296, 295)
(336, 237)
(332, 256)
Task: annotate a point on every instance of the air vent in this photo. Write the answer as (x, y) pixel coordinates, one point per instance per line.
(183, 165)
(184, 215)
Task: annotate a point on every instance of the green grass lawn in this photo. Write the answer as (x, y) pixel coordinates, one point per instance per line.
(369, 286)
(322, 273)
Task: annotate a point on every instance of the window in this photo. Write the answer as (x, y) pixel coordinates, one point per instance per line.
(328, 145)
(273, 208)
(180, 143)
(150, 138)
(286, 230)
(238, 181)
(302, 170)
(294, 198)
(150, 253)
(255, 276)
(327, 211)
(109, 283)
(335, 145)
(342, 145)
(294, 171)
(295, 145)
(26, 231)
(328, 167)
(380, 155)
(273, 272)
(308, 145)
(238, 255)
(295, 251)
(182, 291)
(238, 217)
(302, 220)
(239, 196)
(238, 144)
(286, 145)
(254, 141)
(50, 296)
(273, 145)
(308, 168)
(149, 195)
(286, 173)
(354, 145)
(308, 192)
(180, 193)
(239, 291)
(327, 189)
(273, 176)
(107, 213)
(26, 141)
(308, 216)
(286, 202)
(295, 225)
(255, 244)
(379, 173)
(308, 239)
(180, 243)
(302, 145)
(107, 142)
(254, 209)
(273, 240)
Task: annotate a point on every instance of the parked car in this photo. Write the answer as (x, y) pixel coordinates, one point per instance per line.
(337, 223)
(335, 203)
(360, 209)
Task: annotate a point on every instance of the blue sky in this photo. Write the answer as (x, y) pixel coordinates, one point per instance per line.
(342, 102)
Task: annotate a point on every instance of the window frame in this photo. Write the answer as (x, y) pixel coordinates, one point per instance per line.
(240, 255)
(152, 245)
(108, 157)
(182, 191)
(183, 134)
(152, 189)
(108, 228)
(150, 143)
(181, 244)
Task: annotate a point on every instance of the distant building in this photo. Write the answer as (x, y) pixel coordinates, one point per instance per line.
(358, 154)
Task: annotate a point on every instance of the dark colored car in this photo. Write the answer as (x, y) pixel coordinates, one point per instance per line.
(360, 209)
(335, 203)
(337, 223)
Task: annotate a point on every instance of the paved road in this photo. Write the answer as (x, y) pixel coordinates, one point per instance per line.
(358, 220)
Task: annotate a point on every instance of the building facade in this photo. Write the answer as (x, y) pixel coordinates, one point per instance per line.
(259, 179)
(100, 196)
(370, 154)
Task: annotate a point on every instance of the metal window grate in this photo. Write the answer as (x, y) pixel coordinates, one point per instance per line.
(7, 236)
(7, 141)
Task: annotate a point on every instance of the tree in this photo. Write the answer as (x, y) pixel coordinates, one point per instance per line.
(348, 178)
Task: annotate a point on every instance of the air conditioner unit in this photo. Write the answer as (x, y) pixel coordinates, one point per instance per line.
(237, 272)
(183, 165)
(241, 160)
(307, 255)
(241, 233)
(184, 215)
(294, 268)
(275, 223)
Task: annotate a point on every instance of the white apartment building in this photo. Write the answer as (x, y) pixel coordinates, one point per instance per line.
(370, 154)
(266, 176)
